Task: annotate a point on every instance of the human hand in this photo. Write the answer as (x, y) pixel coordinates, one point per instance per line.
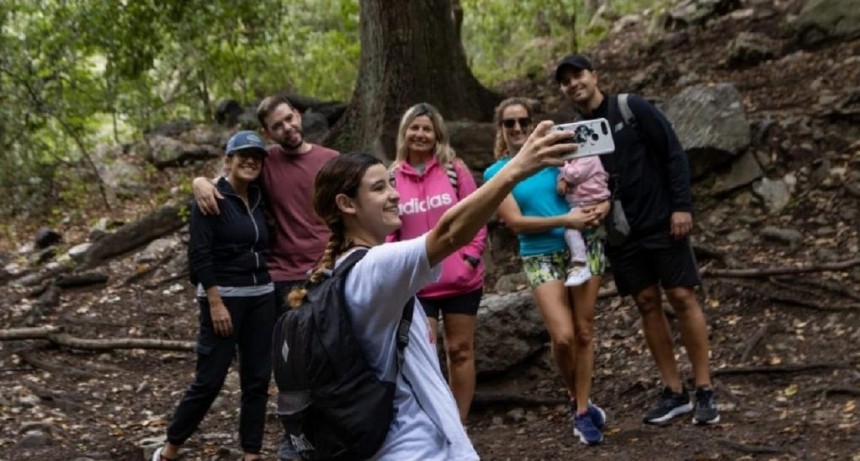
(206, 195)
(681, 224)
(542, 149)
(582, 218)
(561, 186)
(221, 321)
(602, 209)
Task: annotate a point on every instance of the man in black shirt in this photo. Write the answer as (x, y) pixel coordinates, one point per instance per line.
(650, 176)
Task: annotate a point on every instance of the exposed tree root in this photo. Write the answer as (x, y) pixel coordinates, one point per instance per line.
(771, 271)
(777, 369)
(56, 336)
(833, 390)
(753, 449)
(754, 341)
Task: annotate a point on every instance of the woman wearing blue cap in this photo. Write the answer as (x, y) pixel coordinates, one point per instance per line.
(236, 299)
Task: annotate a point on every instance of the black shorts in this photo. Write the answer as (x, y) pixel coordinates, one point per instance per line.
(657, 258)
(466, 304)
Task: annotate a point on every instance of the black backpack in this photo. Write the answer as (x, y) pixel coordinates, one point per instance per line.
(330, 401)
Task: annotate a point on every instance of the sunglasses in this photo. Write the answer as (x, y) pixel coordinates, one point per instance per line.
(510, 122)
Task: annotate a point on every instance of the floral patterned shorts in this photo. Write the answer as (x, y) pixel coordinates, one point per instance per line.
(541, 269)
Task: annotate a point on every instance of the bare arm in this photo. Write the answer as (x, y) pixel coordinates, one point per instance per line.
(206, 195)
(459, 224)
(510, 213)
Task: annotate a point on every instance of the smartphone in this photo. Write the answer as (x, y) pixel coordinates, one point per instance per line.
(593, 136)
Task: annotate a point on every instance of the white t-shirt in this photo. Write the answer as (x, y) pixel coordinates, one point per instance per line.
(427, 424)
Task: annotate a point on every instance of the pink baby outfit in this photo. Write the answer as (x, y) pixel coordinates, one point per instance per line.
(586, 181)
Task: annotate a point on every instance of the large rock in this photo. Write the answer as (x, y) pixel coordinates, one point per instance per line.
(122, 172)
(697, 12)
(166, 152)
(774, 193)
(509, 330)
(750, 48)
(826, 20)
(314, 126)
(711, 124)
(744, 170)
(228, 112)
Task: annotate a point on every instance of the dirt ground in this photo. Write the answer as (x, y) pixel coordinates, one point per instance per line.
(785, 349)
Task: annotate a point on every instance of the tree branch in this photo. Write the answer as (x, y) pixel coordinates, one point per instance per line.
(56, 336)
(794, 368)
(771, 271)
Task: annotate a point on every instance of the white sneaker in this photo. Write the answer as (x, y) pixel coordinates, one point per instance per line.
(577, 275)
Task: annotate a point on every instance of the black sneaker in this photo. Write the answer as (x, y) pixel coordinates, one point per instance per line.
(706, 407)
(671, 404)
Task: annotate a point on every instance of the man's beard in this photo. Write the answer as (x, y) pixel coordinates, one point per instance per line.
(294, 146)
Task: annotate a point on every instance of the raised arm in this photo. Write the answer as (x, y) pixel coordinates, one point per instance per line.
(459, 224)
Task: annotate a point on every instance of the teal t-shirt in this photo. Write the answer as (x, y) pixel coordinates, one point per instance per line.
(536, 196)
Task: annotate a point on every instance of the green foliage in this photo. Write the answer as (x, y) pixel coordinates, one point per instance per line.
(505, 40)
(76, 73)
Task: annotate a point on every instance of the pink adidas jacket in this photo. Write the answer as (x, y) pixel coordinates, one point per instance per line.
(423, 200)
(586, 181)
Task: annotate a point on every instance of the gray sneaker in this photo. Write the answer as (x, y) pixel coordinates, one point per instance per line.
(669, 405)
(706, 407)
(287, 452)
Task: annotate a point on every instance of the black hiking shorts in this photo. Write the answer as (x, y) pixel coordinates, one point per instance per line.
(642, 262)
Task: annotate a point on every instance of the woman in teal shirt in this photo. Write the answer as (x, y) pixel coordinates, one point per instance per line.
(539, 215)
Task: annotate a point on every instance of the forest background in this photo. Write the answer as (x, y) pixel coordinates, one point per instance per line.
(77, 74)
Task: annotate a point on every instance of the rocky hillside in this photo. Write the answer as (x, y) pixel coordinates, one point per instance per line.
(765, 95)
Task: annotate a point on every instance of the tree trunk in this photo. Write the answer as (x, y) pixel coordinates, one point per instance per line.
(409, 54)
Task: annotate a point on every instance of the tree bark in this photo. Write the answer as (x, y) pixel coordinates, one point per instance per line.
(409, 54)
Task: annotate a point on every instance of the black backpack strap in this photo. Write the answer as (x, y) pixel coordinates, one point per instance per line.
(403, 330)
(451, 171)
(350, 261)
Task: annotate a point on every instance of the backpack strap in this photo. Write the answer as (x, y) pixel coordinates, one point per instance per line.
(403, 330)
(350, 261)
(623, 106)
(453, 177)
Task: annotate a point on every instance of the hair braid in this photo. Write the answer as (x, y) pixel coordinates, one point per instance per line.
(335, 246)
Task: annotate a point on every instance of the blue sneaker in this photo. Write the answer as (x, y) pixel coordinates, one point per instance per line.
(598, 416)
(584, 428)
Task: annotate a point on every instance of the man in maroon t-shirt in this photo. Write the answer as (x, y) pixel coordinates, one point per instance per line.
(298, 236)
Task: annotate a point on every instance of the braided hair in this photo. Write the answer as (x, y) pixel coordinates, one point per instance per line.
(340, 175)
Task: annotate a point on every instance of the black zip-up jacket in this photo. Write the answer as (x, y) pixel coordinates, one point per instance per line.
(229, 249)
(649, 170)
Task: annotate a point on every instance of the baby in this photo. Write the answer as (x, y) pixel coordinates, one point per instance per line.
(585, 183)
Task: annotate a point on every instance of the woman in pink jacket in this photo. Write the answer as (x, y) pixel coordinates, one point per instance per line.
(430, 180)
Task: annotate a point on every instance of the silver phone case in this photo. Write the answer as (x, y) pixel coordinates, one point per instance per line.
(593, 136)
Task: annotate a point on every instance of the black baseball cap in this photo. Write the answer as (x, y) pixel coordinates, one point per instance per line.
(576, 61)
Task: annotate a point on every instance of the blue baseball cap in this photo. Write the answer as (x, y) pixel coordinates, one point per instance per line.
(246, 140)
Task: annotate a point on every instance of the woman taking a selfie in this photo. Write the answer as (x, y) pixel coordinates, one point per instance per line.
(352, 194)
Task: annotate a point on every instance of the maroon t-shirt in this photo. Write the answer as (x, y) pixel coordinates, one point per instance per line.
(299, 238)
